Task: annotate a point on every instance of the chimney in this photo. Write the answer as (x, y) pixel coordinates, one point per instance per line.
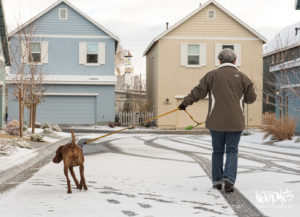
(167, 25)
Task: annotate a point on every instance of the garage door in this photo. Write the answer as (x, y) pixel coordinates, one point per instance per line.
(67, 110)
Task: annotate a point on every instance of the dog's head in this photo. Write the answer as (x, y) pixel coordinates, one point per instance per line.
(58, 157)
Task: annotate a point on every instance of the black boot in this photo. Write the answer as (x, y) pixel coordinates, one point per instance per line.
(228, 186)
(217, 186)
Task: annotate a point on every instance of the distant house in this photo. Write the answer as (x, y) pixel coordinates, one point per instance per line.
(282, 74)
(179, 57)
(4, 61)
(76, 56)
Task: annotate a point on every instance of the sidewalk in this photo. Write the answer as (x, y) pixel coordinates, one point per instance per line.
(136, 130)
(12, 166)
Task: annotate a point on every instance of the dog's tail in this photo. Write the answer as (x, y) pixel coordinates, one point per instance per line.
(73, 138)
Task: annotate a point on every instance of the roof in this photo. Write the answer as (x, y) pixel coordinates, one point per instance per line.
(197, 11)
(127, 53)
(285, 39)
(74, 8)
(297, 5)
(3, 33)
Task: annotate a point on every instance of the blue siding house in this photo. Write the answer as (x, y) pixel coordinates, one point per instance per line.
(281, 89)
(4, 61)
(76, 56)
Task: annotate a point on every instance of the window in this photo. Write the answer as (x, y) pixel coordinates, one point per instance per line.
(92, 53)
(35, 52)
(63, 14)
(228, 46)
(193, 54)
(211, 14)
(273, 59)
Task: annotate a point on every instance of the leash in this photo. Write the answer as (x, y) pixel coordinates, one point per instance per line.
(134, 125)
(130, 127)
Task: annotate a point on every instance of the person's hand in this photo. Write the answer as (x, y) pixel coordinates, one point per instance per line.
(182, 106)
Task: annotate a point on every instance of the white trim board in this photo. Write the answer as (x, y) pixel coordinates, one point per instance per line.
(71, 6)
(66, 36)
(195, 12)
(211, 38)
(71, 94)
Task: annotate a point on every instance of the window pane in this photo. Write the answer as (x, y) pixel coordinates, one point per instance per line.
(63, 13)
(228, 46)
(193, 60)
(92, 58)
(35, 57)
(92, 48)
(35, 47)
(193, 49)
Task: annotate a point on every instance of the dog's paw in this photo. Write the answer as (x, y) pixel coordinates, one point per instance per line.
(79, 187)
(69, 192)
(85, 187)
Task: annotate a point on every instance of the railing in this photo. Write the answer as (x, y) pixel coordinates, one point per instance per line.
(133, 118)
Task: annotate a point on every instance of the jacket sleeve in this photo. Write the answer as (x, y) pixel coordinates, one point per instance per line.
(198, 92)
(249, 91)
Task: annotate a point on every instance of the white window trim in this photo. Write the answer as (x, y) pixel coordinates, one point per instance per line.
(209, 12)
(61, 9)
(92, 64)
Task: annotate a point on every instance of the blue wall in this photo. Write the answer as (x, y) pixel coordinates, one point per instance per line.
(105, 101)
(63, 57)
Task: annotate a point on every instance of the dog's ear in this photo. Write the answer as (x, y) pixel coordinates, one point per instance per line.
(58, 157)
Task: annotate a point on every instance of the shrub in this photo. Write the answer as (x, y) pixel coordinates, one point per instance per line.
(248, 132)
(21, 143)
(111, 125)
(6, 147)
(38, 137)
(281, 129)
(46, 125)
(269, 118)
(56, 128)
(47, 131)
(13, 128)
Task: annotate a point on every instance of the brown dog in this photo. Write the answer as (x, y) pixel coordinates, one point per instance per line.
(72, 156)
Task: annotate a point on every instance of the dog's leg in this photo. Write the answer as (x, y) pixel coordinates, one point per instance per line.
(74, 177)
(82, 179)
(68, 180)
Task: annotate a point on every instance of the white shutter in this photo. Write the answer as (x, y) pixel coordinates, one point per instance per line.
(203, 58)
(184, 54)
(238, 51)
(24, 52)
(44, 51)
(82, 52)
(101, 53)
(218, 49)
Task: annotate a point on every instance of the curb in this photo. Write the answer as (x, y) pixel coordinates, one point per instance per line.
(183, 132)
(42, 154)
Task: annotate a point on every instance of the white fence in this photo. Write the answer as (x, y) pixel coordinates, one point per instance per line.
(133, 118)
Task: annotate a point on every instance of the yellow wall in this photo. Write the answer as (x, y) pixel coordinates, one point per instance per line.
(172, 79)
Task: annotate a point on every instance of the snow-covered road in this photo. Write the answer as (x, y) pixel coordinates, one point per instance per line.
(161, 175)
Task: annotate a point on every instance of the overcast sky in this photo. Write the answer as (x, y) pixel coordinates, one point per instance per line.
(137, 22)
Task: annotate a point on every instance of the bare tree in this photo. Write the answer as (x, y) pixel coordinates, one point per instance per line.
(27, 73)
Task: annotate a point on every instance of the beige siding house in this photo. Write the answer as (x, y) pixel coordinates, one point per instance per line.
(179, 57)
